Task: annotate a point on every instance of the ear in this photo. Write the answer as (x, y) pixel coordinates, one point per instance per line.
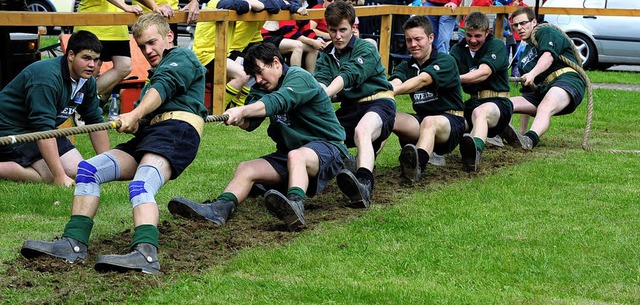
(170, 36)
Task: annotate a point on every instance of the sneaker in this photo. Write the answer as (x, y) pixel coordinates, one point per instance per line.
(291, 211)
(69, 249)
(143, 258)
(470, 154)
(437, 160)
(409, 163)
(215, 211)
(527, 143)
(495, 141)
(358, 191)
(511, 136)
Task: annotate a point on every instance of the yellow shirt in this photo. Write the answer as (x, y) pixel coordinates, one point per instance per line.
(172, 3)
(109, 32)
(245, 33)
(204, 39)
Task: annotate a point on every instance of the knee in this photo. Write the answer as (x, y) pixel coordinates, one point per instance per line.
(145, 185)
(295, 155)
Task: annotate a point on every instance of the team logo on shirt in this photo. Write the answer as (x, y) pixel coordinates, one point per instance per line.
(436, 67)
(173, 64)
(493, 56)
(551, 43)
(359, 60)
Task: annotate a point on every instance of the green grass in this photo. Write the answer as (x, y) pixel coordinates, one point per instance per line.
(560, 228)
(630, 78)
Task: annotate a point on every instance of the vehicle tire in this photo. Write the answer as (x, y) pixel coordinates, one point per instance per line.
(41, 6)
(587, 50)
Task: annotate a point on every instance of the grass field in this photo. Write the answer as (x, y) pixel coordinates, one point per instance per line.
(554, 226)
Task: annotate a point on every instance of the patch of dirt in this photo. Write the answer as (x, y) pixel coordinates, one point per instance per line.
(193, 246)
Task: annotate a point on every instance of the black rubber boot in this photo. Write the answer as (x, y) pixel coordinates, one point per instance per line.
(143, 258)
(215, 211)
(409, 163)
(357, 190)
(69, 249)
(288, 210)
(470, 154)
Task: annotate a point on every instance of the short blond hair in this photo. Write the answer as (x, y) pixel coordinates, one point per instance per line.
(147, 20)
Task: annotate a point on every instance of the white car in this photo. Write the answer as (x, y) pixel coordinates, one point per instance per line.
(603, 41)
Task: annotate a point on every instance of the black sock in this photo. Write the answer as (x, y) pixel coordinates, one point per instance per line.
(535, 138)
(366, 174)
(423, 158)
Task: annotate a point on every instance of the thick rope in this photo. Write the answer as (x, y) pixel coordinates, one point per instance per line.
(580, 70)
(65, 132)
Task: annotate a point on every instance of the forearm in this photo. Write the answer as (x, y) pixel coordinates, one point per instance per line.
(543, 64)
(336, 86)
(100, 141)
(477, 76)
(49, 151)
(413, 84)
(151, 101)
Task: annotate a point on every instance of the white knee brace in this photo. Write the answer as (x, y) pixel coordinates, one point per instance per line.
(95, 171)
(145, 185)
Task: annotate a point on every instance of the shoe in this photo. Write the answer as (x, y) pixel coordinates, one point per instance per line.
(69, 249)
(495, 141)
(409, 163)
(527, 143)
(215, 211)
(288, 210)
(143, 258)
(437, 160)
(511, 136)
(350, 163)
(357, 190)
(470, 154)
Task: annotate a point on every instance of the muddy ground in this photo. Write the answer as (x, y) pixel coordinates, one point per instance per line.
(192, 247)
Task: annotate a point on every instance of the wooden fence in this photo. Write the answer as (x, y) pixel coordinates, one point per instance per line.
(222, 18)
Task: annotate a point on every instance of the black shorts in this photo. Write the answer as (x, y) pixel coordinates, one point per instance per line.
(112, 48)
(350, 115)
(455, 135)
(535, 97)
(28, 153)
(504, 106)
(276, 40)
(233, 55)
(176, 141)
(331, 162)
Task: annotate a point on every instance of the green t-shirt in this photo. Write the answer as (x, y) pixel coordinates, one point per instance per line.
(443, 93)
(41, 97)
(553, 41)
(360, 66)
(179, 79)
(299, 111)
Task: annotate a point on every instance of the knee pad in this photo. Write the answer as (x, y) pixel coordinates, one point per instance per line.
(95, 171)
(145, 185)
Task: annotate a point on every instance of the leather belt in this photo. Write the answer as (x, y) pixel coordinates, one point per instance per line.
(379, 95)
(489, 94)
(455, 112)
(193, 119)
(557, 73)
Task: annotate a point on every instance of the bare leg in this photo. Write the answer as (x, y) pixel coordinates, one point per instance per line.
(295, 48)
(367, 131)
(302, 163)
(110, 78)
(250, 172)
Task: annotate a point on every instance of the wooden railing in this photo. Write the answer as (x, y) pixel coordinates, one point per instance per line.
(223, 17)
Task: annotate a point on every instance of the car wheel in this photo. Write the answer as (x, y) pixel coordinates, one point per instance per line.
(41, 6)
(586, 48)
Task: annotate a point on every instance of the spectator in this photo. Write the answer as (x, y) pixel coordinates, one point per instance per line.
(443, 25)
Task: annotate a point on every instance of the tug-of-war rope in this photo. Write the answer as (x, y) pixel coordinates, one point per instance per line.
(578, 68)
(64, 132)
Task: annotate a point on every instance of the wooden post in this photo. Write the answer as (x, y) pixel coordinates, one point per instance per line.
(220, 69)
(385, 40)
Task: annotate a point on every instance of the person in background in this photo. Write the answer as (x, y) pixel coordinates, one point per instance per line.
(43, 96)
(443, 25)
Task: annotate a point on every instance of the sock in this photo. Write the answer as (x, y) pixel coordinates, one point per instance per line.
(79, 228)
(145, 234)
(423, 158)
(479, 143)
(535, 138)
(243, 95)
(227, 196)
(296, 191)
(230, 94)
(366, 174)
